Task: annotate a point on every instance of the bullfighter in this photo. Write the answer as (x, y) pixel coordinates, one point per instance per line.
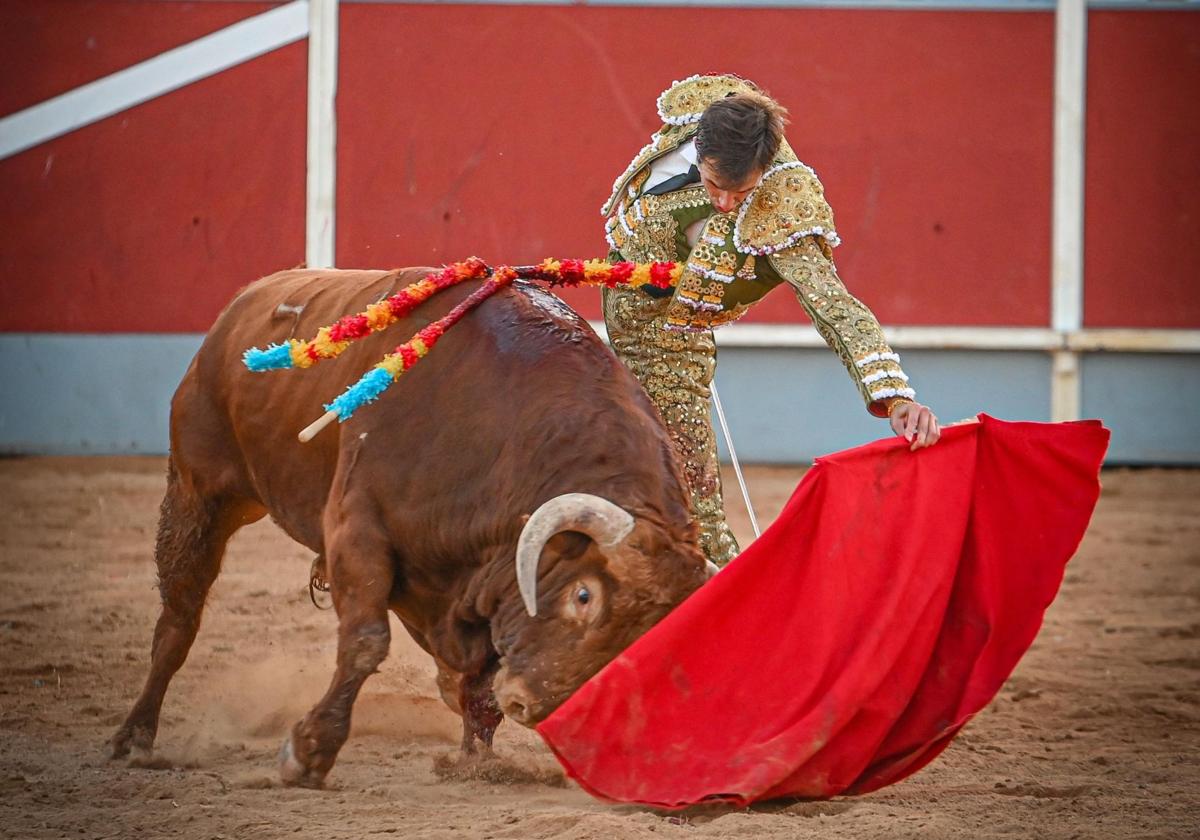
(719, 189)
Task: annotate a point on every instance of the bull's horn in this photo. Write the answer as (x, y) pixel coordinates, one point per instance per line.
(599, 518)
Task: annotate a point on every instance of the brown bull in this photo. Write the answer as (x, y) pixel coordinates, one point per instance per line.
(419, 501)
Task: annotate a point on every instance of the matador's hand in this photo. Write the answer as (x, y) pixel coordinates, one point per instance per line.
(916, 423)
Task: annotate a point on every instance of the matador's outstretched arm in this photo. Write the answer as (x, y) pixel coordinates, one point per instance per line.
(849, 328)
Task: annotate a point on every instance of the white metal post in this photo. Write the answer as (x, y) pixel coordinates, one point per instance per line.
(1070, 86)
(322, 133)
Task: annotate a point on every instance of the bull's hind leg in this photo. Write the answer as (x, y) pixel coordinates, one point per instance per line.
(360, 569)
(192, 533)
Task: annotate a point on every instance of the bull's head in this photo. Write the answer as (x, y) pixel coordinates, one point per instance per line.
(605, 578)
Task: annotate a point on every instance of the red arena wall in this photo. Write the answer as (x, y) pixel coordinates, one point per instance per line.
(931, 130)
(1143, 170)
(48, 48)
(452, 143)
(149, 220)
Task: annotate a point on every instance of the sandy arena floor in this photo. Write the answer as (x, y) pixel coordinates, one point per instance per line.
(1096, 735)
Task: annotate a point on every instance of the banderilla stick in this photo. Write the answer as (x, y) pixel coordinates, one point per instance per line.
(314, 428)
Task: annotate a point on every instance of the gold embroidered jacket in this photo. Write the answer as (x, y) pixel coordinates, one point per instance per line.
(783, 232)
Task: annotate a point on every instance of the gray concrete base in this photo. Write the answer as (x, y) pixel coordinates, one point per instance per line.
(67, 394)
(110, 394)
(790, 405)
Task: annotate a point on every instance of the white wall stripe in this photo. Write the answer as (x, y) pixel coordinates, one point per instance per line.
(970, 338)
(1129, 340)
(169, 71)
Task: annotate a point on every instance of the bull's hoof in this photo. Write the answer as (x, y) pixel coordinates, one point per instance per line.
(128, 739)
(292, 772)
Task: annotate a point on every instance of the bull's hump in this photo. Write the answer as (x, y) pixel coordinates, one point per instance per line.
(549, 303)
(534, 324)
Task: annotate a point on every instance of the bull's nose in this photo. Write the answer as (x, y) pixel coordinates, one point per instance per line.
(518, 711)
(515, 700)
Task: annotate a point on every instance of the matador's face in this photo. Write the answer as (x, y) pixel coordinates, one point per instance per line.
(724, 194)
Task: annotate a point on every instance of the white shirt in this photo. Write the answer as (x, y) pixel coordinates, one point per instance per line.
(675, 162)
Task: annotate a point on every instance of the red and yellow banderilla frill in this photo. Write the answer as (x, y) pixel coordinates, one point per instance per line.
(331, 341)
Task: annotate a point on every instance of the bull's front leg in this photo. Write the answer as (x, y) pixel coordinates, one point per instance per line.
(361, 579)
(480, 712)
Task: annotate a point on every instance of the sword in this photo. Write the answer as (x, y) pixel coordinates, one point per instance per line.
(737, 468)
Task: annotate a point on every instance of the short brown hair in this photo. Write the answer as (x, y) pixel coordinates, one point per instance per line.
(741, 134)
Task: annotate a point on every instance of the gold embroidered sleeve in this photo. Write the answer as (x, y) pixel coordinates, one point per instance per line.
(847, 325)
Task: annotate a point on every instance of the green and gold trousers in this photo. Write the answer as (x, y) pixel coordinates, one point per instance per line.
(676, 369)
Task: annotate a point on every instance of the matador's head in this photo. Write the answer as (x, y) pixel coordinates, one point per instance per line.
(737, 139)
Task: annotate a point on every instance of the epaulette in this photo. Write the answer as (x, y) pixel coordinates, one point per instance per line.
(683, 102)
(787, 205)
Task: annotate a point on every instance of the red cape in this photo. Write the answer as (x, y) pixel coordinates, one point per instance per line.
(844, 649)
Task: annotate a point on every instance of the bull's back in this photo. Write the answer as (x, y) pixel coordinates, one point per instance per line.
(502, 390)
(237, 430)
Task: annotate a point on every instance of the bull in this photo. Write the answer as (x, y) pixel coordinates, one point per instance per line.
(514, 500)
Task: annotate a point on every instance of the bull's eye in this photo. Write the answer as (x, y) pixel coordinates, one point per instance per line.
(581, 600)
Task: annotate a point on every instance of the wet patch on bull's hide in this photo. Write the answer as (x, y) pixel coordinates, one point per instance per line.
(526, 328)
(548, 302)
(496, 770)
